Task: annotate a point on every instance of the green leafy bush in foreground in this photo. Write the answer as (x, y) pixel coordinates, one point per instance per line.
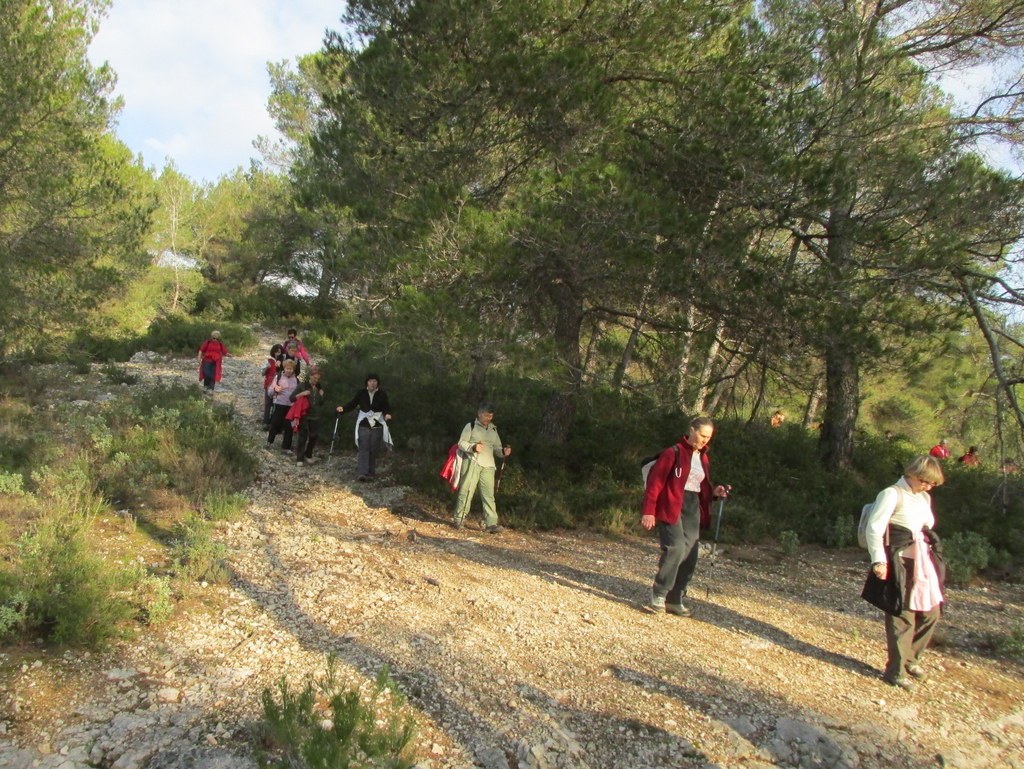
(57, 587)
(323, 726)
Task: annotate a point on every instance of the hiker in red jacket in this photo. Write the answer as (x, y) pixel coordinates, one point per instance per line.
(211, 353)
(678, 501)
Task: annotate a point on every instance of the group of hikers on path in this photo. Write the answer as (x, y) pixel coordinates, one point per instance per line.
(906, 575)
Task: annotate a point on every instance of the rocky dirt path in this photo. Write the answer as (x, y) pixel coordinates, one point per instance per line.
(517, 650)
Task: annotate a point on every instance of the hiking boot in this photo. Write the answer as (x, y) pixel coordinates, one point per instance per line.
(656, 604)
(679, 609)
(901, 682)
(311, 460)
(494, 528)
(457, 525)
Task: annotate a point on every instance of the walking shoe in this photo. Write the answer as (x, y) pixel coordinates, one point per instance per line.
(494, 529)
(457, 525)
(656, 604)
(311, 460)
(918, 672)
(679, 609)
(901, 682)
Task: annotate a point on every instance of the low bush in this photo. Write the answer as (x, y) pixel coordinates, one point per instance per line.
(222, 505)
(56, 587)
(789, 542)
(197, 556)
(324, 726)
(966, 554)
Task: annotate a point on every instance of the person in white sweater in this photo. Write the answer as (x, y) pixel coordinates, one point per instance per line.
(901, 545)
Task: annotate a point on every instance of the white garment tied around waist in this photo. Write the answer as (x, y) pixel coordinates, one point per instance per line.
(375, 419)
(925, 593)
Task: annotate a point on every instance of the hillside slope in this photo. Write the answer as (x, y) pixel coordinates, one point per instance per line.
(520, 649)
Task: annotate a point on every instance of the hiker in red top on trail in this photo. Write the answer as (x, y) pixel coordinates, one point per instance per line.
(211, 353)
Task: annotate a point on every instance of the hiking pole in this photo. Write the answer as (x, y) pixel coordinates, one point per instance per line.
(501, 472)
(334, 437)
(714, 546)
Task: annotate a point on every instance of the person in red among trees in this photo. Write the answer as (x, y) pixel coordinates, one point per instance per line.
(940, 450)
(678, 501)
(211, 353)
(971, 458)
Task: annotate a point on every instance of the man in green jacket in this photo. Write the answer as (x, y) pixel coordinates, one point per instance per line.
(481, 450)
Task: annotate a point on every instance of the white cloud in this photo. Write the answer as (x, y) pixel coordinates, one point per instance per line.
(193, 73)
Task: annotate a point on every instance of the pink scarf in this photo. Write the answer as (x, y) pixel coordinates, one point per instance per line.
(926, 593)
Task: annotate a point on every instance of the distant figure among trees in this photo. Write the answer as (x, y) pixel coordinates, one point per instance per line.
(777, 418)
(971, 458)
(941, 449)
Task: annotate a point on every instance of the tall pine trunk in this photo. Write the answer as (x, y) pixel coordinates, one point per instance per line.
(561, 407)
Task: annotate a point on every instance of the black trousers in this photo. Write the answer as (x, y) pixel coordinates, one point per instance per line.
(679, 551)
(309, 431)
(278, 425)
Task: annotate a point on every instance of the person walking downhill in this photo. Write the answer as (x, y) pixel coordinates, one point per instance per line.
(281, 391)
(678, 501)
(372, 429)
(482, 449)
(904, 550)
(307, 408)
(940, 450)
(211, 353)
(295, 350)
(274, 360)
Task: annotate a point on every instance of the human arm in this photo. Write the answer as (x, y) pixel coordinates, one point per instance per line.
(657, 480)
(878, 522)
(348, 406)
(465, 437)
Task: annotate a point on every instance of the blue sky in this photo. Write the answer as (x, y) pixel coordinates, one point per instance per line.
(193, 73)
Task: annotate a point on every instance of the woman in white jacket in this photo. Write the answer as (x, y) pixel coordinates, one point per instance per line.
(902, 545)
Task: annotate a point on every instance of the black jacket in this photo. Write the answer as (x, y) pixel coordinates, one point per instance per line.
(362, 400)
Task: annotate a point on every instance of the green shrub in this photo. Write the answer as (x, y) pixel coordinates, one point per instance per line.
(171, 437)
(325, 727)
(1011, 644)
(966, 554)
(841, 532)
(789, 541)
(198, 556)
(222, 505)
(152, 595)
(117, 375)
(178, 335)
(58, 588)
(12, 483)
